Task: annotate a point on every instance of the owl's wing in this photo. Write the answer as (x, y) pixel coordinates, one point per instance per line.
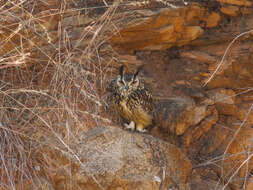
(147, 100)
(141, 97)
(112, 85)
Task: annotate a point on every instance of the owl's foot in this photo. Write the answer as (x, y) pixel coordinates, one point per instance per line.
(130, 126)
(141, 130)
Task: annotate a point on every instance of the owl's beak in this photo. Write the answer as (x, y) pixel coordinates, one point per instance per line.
(127, 87)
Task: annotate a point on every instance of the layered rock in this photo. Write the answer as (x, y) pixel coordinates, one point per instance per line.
(202, 87)
(111, 158)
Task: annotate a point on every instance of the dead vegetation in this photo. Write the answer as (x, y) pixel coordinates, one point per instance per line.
(52, 83)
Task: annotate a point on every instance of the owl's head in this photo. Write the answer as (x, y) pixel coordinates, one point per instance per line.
(127, 83)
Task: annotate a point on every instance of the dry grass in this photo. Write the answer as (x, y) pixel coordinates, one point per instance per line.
(52, 83)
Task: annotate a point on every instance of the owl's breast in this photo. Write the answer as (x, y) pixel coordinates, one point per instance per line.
(131, 110)
(123, 109)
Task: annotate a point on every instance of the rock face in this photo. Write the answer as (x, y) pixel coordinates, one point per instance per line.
(201, 95)
(111, 158)
(158, 32)
(131, 161)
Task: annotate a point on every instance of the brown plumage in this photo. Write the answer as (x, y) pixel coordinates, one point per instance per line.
(132, 100)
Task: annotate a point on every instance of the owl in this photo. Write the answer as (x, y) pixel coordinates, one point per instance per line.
(132, 101)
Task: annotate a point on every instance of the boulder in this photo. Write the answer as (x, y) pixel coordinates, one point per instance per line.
(111, 158)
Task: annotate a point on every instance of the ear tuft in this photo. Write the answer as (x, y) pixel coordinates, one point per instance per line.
(121, 71)
(138, 70)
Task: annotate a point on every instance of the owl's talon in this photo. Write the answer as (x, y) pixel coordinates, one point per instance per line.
(141, 130)
(130, 126)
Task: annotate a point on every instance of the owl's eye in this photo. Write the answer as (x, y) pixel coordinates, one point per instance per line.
(121, 82)
(134, 82)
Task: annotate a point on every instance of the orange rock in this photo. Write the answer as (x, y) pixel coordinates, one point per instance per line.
(190, 33)
(230, 10)
(179, 118)
(200, 56)
(214, 139)
(189, 118)
(194, 134)
(212, 20)
(237, 2)
(165, 29)
(224, 101)
(171, 27)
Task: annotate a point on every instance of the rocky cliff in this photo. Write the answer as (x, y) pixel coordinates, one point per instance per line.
(58, 128)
